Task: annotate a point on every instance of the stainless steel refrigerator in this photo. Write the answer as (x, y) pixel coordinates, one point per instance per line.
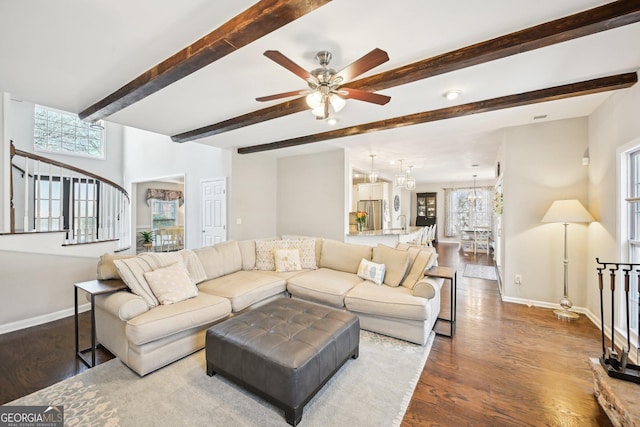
(373, 208)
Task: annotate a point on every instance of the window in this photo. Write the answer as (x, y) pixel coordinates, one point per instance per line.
(64, 133)
(463, 212)
(164, 213)
(633, 231)
(53, 205)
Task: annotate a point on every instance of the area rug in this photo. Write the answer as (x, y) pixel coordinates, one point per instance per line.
(376, 387)
(480, 272)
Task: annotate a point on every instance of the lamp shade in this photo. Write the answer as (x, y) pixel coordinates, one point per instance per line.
(566, 211)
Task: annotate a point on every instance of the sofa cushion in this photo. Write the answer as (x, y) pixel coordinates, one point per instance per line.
(396, 262)
(343, 257)
(398, 302)
(248, 252)
(371, 271)
(244, 288)
(220, 259)
(422, 260)
(171, 284)
(107, 269)
(323, 285)
(166, 320)
(287, 260)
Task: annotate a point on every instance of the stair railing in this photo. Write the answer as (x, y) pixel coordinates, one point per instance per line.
(47, 195)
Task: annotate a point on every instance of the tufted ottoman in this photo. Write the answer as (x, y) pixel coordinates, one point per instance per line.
(283, 351)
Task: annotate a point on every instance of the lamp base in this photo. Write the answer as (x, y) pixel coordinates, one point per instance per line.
(564, 314)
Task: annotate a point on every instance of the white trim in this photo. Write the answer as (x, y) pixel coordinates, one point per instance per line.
(45, 318)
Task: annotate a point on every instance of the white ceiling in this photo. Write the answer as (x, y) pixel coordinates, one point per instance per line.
(70, 54)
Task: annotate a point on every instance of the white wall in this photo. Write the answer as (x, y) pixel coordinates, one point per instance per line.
(614, 124)
(542, 164)
(313, 195)
(253, 195)
(149, 156)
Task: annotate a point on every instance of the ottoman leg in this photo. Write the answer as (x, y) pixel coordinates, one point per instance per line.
(210, 371)
(293, 415)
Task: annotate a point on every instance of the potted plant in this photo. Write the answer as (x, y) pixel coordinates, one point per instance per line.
(361, 219)
(146, 238)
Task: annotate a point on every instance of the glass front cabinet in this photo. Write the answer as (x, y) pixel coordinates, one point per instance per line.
(426, 205)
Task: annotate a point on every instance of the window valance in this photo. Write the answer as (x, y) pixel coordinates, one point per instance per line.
(167, 195)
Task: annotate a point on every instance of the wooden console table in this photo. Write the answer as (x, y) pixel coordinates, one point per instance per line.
(450, 274)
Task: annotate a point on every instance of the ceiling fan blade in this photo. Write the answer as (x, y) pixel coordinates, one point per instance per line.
(283, 95)
(363, 95)
(282, 60)
(364, 64)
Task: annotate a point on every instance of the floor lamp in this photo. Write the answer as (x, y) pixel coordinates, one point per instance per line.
(565, 212)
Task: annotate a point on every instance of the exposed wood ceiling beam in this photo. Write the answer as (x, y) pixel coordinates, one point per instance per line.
(257, 21)
(587, 87)
(608, 16)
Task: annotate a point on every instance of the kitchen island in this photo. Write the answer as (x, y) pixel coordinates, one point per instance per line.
(389, 237)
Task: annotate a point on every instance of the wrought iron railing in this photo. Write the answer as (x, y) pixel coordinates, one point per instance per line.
(47, 195)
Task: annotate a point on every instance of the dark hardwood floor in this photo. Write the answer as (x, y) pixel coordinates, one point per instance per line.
(508, 364)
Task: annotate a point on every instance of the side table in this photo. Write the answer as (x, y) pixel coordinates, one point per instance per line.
(450, 274)
(93, 288)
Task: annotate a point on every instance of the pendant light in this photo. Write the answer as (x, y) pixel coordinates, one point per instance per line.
(411, 180)
(373, 174)
(473, 195)
(401, 178)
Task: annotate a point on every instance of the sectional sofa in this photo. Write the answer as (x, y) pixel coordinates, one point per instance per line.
(175, 297)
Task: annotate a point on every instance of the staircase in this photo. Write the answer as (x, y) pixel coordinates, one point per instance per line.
(51, 196)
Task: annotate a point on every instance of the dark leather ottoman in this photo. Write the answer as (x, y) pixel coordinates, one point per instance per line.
(284, 351)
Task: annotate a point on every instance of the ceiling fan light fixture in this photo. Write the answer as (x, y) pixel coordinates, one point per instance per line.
(314, 100)
(336, 102)
(452, 94)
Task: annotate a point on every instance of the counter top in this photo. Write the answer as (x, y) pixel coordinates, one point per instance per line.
(387, 232)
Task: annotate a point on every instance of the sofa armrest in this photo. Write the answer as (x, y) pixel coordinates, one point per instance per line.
(124, 305)
(425, 289)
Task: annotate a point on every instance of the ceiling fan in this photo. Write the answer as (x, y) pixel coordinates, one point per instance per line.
(325, 84)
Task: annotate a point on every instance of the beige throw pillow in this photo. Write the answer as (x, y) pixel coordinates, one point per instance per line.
(171, 284)
(287, 260)
(396, 262)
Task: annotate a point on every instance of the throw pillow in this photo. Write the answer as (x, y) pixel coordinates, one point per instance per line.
(107, 269)
(396, 262)
(265, 250)
(171, 284)
(132, 273)
(371, 271)
(287, 260)
(307, 250)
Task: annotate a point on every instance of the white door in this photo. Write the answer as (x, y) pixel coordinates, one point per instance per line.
(214, 211)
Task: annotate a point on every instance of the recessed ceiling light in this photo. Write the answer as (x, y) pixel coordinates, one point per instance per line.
(332, 121)
(452, 94)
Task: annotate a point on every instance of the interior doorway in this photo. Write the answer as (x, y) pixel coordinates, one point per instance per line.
(159, 207)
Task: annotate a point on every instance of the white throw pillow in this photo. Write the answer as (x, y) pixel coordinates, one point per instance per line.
(371, 271)
(265, 250)
(171, 284)
(287, 260)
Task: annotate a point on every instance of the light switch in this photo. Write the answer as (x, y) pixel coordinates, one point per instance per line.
(239, 221)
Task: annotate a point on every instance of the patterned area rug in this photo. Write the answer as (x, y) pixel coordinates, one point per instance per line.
(480, 272)
(376, 387)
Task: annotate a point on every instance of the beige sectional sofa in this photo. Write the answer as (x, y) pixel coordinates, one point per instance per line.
(175, 297)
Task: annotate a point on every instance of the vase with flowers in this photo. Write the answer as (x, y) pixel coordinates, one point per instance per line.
(361, 218)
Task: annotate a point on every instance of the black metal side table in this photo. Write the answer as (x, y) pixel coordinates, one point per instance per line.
(93, 288)
(450, 274)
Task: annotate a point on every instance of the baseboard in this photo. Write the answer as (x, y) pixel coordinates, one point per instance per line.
(45, 318)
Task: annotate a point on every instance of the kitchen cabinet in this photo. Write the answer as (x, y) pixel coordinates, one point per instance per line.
(377, 191)
(426, 209)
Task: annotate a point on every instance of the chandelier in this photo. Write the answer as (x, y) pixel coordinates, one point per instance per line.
(473, 195)
(373, 174)
(405, 180)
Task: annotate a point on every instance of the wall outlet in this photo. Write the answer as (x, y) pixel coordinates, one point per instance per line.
(518, 279)
(238, 221)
